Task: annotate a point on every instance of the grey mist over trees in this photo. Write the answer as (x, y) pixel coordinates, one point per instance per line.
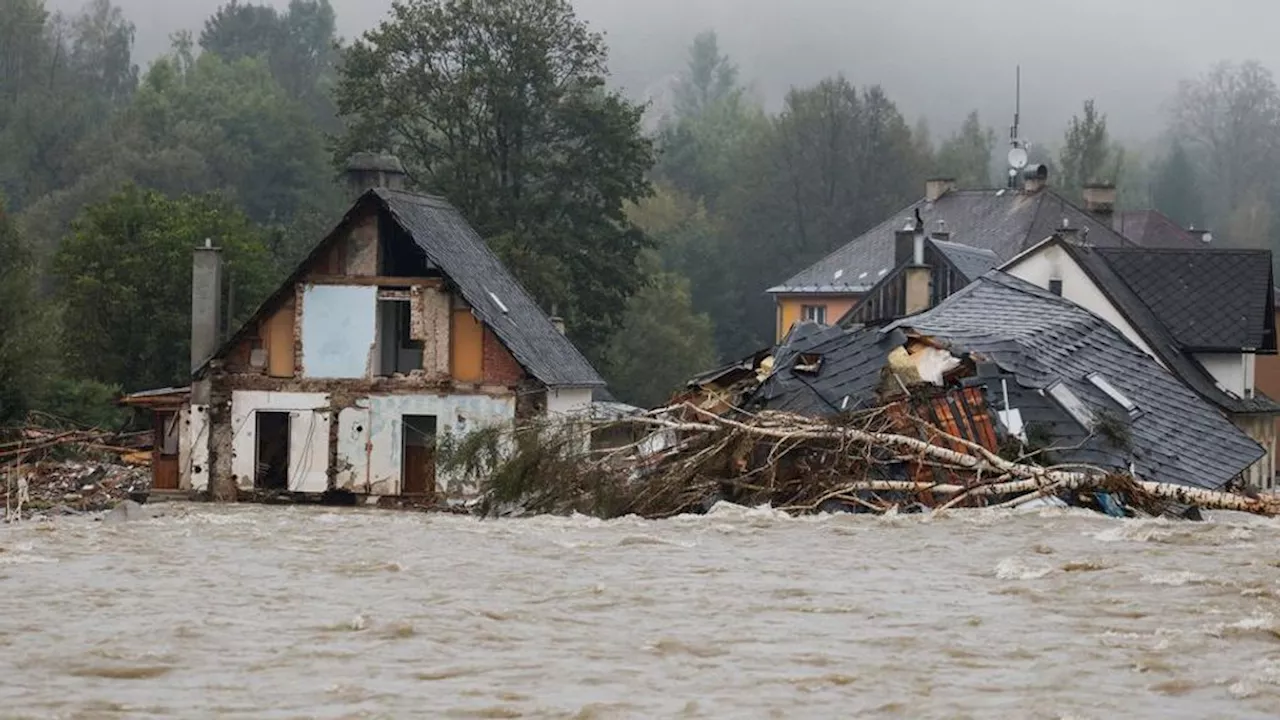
(647, 169)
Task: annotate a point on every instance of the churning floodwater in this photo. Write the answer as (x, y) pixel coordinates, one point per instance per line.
(258, 612)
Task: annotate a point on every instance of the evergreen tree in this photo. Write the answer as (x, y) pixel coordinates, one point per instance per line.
(1175, 193)
(1087, 155)
(967, 155)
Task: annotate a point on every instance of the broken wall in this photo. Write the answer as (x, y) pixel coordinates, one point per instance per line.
(193, 448)
(370, 450)
(339, 330)
(308, 437)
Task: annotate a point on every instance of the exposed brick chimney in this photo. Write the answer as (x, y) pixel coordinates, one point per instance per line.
(367, 170)
(1100, 199)
(937, 187)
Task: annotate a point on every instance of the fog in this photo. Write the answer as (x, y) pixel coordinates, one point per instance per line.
(937, 58)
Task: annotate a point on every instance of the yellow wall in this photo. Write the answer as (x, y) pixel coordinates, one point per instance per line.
(789, 309)
(466, 355)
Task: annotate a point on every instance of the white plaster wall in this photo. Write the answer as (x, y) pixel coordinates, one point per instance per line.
(339, 330)
(354, 448)
(568, 401)
(1230, 370)
(308, 437)
(1052, 263)
(455, 415)
(193, 453)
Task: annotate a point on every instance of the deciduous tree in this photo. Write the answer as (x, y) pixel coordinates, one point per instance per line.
(502, 107)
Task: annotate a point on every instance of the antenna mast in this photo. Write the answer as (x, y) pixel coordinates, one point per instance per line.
(1017, 147)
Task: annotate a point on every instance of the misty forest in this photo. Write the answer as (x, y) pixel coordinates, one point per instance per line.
(652, 222)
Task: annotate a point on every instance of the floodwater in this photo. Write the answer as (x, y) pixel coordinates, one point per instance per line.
(257, 612)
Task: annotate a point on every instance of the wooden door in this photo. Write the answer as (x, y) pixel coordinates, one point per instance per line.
(419, 470)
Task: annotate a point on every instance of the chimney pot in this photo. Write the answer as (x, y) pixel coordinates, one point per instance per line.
(1035, 179)
(1100, 198)
(937, 187)
(366, 170)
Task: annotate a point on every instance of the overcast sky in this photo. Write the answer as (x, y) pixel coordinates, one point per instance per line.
(939, 58)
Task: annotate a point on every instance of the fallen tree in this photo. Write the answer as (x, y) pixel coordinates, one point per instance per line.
(686, 458)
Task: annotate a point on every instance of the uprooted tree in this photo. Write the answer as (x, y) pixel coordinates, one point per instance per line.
(680, 459)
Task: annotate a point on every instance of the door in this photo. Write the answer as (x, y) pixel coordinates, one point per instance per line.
(418, 468)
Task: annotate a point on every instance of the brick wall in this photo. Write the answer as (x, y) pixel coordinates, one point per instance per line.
(500, 368)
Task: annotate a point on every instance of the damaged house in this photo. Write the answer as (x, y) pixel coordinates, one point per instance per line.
(1001, 352)
(1204, 314)
(399, 329)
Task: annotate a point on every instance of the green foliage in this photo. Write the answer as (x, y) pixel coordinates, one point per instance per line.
(833, 164)
(23, 330)
(202, 125)
(662, 343)
(125, 281)
(83, 403)
(1176, 192)
(1087, 156)
(59, 81)
(299, 46)
(967, 155)
(502, 107)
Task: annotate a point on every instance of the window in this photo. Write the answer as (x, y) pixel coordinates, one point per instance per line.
(1112, 392)
(1055, 287)
(1070, 402)
(814, 313)
(400, 353)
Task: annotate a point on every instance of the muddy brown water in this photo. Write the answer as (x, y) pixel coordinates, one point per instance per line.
(257, 612)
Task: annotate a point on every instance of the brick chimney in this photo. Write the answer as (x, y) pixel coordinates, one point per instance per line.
(937, 187)
(1100, 199)
(367, 170)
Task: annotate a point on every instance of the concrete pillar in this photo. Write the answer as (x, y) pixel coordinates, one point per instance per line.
(206, 303)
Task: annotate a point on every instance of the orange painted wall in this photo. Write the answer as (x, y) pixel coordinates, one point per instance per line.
(789, 308)
(466, 354)
(278, 338)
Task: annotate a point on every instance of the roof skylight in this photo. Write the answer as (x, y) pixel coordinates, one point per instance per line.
(1072, 403)
(1113, 392)
(499, 303)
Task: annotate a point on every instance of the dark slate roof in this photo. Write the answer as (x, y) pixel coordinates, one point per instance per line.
(971, 262)
(1040, 338)
(1154, 229)
(1002, 221)
(496, 297)
(846, 381)
(1161, 339)
(1211, 300)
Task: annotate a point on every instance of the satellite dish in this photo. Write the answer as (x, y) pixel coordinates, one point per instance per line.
(1017, 158)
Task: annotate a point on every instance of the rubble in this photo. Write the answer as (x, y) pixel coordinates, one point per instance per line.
(71, 487)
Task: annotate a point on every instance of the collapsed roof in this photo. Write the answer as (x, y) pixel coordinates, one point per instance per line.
(1101, 400)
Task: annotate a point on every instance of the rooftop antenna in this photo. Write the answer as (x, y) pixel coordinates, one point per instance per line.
(1017, 146)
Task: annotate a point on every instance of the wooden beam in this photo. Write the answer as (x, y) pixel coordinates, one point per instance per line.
(378, 280)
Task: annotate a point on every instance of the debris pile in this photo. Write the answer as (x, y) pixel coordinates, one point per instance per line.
(52, 470)
(887, 459)
(71, 487)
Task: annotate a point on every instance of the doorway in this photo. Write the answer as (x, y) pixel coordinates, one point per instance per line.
(418, 465)
(272, 462)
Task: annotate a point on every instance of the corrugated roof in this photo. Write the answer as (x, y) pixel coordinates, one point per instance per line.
(1040, 338)
(496, 297)
(1002, 221)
